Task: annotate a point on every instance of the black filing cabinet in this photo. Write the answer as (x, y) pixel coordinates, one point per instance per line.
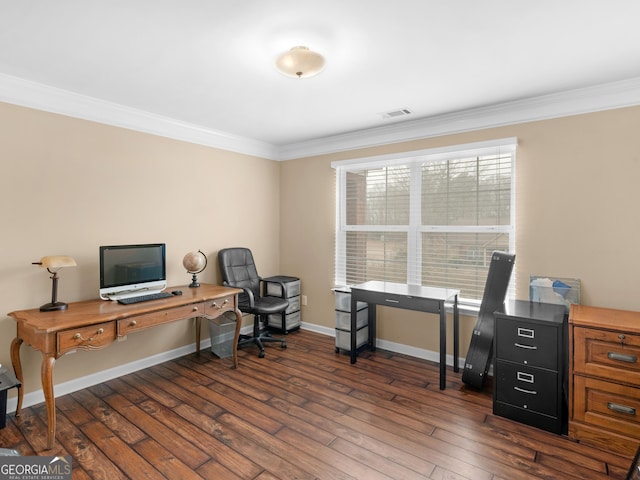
(530, 364)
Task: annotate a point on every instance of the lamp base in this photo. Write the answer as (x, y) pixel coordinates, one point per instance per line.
(53, 306)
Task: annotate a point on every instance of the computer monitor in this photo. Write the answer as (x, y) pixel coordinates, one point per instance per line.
(132, 270)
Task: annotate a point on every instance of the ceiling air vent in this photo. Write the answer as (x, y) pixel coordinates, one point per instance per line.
(397, 113)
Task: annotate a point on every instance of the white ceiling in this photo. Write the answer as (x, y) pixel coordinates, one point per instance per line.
(204, 69)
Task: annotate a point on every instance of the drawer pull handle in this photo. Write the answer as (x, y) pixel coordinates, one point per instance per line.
(77, 336)
(525, 377)
(529, 392)
(133, 323)
(526, 333)
(195, 309)
(622, 357)
(621, 408)
(391, 301)
(221, 306)
(528, 347)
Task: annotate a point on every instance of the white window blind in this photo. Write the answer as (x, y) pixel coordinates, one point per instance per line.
(430, 218)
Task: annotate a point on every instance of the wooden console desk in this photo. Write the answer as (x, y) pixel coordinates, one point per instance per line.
(95, 324)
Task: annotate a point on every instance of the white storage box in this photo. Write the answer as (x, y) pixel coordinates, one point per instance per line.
(343, 339)
(343, 301)
(222, 331)
(291, 286)
(294, 305)
(343, 319)
(291, 321)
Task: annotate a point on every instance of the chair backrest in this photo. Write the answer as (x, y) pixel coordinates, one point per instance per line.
(238, 269)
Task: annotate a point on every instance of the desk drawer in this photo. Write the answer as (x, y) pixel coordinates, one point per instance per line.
(607, 405)
(92, 337)
(610, 355)
(527, 343)
(526, 387)
(215, 308)
(140, 322)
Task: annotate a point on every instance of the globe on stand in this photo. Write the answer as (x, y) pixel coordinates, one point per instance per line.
(194, 263)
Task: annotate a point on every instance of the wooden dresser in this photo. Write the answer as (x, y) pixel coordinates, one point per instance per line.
(604, 378)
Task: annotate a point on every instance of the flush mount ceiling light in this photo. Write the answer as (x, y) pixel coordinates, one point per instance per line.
(300, 62)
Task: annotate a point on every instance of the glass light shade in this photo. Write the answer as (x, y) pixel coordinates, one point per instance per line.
(57, 261)
(300, 62)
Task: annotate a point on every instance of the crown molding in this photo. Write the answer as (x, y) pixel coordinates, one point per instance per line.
(620, 94)
(30, 94)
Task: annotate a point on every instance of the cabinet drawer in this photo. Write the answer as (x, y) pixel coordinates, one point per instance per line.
(610, 355)
(527, 343)
(140, 322)
(527, 387)
(92, 337)
(215, 308)
(607, 405)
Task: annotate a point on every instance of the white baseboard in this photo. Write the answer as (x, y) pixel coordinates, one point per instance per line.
(36, 397)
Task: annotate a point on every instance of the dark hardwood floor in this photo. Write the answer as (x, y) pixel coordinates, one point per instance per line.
(299, 413)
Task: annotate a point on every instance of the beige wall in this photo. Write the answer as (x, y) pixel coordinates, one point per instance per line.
(578, 191)
(69, 186)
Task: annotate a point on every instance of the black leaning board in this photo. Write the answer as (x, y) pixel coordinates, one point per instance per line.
(480, 351)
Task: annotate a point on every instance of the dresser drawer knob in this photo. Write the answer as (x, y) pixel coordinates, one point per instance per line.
(621, 357)
(621, 408)
(133, 323)
(195, 309)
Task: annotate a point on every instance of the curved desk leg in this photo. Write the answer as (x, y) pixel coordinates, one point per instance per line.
(46, 373)
(236, 337)
(17, 369)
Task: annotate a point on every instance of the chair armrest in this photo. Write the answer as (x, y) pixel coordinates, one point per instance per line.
(282, 288)
(245, 290)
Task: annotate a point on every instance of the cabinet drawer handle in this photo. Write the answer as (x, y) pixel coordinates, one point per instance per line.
(77, 336)
(526, 332)
(529, 392)
(621, 408)
(195, 309)
(525, 377)
(388, 300)
(622, 357)
(528, 347)
(133, 323)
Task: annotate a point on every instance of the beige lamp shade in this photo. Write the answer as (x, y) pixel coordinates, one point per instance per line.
(57, 261)
(300, 62)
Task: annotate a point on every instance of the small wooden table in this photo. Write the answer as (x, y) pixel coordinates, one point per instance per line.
(95, 324)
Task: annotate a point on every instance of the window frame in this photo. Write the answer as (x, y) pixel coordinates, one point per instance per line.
(414, 229)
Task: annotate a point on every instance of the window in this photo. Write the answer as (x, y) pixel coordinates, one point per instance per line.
(432, 217)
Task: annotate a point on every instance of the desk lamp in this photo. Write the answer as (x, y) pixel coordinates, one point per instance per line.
(53, 264)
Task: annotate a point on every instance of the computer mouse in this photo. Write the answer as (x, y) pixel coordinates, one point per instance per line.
(177, 292)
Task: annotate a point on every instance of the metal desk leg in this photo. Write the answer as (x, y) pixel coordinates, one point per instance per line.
(443, 346)
(456, 335)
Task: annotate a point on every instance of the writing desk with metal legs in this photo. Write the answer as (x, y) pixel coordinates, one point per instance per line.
(409, 297)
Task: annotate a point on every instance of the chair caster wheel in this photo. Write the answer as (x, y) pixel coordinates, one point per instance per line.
(284, 345)
(261, 354)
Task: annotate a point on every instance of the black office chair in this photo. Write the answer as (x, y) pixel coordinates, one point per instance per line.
(239, 270)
